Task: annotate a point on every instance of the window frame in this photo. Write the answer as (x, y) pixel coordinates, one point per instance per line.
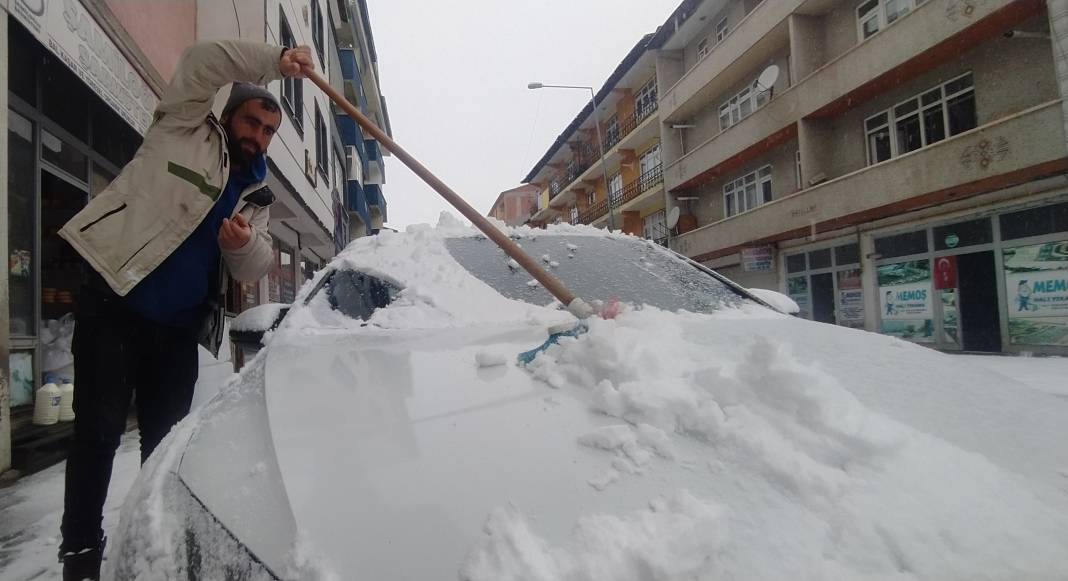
(722, 30)
(318, 36)
(750, 96)
(322, 146)
(878, 13)
(293, 97)
(735, 192)
(645, 100)
(919, 111)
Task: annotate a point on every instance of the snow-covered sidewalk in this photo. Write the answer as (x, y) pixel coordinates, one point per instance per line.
(30, 511)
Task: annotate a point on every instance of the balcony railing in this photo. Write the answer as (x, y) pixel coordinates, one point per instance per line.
(628, 124)
(632, 190)
(641, 185)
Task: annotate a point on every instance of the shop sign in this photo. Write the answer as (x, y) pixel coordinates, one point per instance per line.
(70, 32)
(946, 272)
(1036, 283)
(850, 299)
(952, 240)
(758, 259)
(905, 298)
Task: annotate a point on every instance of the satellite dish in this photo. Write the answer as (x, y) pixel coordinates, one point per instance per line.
(673, 217)
(767, 79)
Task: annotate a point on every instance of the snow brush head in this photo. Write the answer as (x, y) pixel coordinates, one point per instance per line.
(556, 332)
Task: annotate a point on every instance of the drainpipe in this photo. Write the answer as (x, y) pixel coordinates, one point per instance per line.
(1058, 25)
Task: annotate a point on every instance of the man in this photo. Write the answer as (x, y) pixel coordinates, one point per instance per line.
(186, 213)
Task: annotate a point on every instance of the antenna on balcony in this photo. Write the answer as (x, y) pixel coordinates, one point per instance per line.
(766, 80)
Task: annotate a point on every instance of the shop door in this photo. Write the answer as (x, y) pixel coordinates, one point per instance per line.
(823, 298)
(979, 315)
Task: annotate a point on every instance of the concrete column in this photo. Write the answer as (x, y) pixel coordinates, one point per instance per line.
(869, 282)
(5, 398)
(806, 45)
(632, 223)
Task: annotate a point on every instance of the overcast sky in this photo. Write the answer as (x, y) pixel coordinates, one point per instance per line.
(455, 78)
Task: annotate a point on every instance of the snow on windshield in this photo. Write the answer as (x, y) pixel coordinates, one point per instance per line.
(597, 268)
(815, 469)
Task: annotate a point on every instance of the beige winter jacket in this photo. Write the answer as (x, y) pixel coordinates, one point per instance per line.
(168, 188)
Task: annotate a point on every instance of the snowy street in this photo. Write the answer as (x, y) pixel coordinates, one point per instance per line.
(30, 511)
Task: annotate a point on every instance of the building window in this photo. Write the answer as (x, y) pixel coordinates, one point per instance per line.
(645, 102)
(742, 105)
(927, 118)
(703, 48)
(654, 226)
(875, 15)
(747, 192)
(292, 87)
(591, 198)
(797, 162)
(322, 148)
(317, 31)
(721, 30)
(615, 187)
(650, 161)
(611, 132)
(574, 215)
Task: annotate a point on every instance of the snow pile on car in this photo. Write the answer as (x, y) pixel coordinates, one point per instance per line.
(437, 291)
(805, 481)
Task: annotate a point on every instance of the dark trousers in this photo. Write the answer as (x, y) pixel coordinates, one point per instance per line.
(117, 356)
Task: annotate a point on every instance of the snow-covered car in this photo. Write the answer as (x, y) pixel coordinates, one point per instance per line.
(387, 432)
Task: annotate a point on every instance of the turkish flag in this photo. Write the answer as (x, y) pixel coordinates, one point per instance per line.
(946, 272)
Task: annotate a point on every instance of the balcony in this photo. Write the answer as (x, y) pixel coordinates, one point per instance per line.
(743, 51)
(376, 168)
(376, 203)
(626, 126)
(1012, 150)
(630, 193)
(356, 202)
(636, 190)
(921, 40)
(584, 167)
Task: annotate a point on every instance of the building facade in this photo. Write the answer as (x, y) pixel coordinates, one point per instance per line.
(79, 85)
(904, 172)
(361, 200)
(516, 206)
(892, 165)
(81, 79)
(604, 169)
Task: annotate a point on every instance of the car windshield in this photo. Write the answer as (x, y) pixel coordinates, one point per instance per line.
(603, 268)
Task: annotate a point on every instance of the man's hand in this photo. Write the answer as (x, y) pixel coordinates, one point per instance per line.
(235, 233)
(296, 62)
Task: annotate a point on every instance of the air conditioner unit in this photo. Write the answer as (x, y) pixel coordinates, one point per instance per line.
(353, 164)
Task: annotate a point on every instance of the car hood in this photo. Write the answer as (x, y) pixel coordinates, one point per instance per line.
(395, 447)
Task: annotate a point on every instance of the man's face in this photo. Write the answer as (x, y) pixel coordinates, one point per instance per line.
(250, 129)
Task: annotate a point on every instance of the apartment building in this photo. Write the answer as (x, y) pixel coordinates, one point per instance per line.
(515, 206)
(359, 160)
(903, 171)
(604, 169)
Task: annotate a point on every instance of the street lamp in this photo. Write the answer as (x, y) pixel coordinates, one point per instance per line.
(600, 142)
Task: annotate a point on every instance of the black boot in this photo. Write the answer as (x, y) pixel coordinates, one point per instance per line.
(79, 565)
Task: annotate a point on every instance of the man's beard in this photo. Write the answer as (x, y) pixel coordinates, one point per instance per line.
(243, 151)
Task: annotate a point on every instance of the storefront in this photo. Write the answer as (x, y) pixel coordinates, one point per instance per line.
(826, 283)
(65, 144)
(993, 281)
